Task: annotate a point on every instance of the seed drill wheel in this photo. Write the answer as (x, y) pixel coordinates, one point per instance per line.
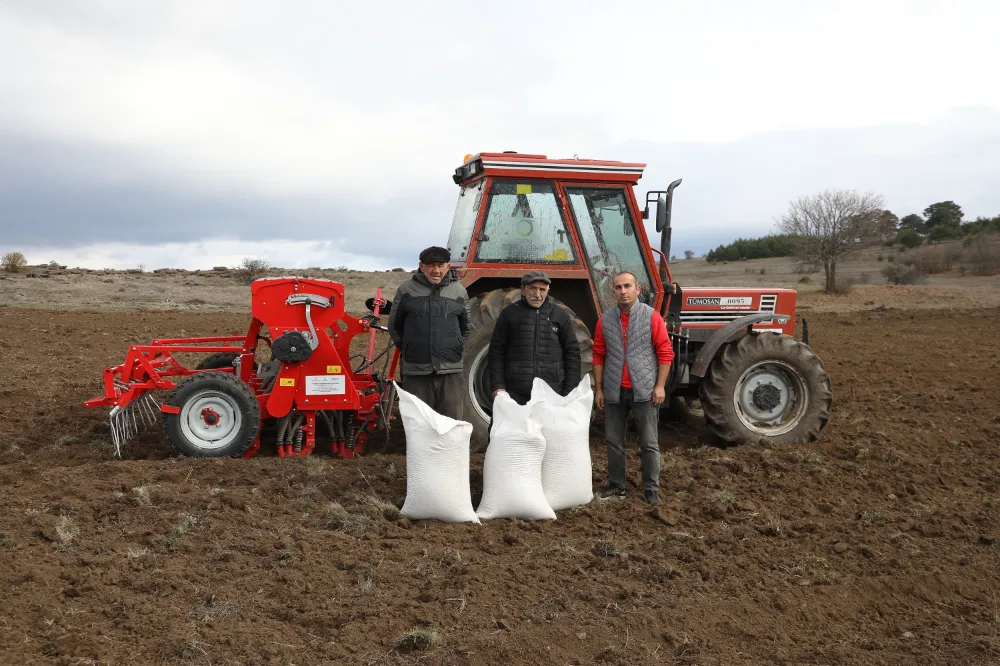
(216, 361)
(219, 416)
(767, 385)
(485, 310)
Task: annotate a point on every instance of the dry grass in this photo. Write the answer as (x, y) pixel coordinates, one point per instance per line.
(66, 530)
(418, 640)
(983, 254)
(340, 519)
(386, 509)
(897, 274)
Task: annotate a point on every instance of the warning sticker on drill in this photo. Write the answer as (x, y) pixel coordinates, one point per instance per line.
(326, 384)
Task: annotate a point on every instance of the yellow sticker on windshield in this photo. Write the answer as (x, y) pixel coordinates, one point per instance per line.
(523, 188)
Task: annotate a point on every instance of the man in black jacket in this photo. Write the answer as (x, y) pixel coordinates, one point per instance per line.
(429, 322)
(533, 338)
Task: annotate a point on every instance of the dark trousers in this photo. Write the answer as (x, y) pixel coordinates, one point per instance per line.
(442, 393)
(646, 417)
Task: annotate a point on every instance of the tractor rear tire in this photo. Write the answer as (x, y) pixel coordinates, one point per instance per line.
(485, 309)
(219, 416)
(766, 386)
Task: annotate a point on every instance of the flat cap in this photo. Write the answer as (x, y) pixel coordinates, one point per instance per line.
(534, 276)
(434, 254)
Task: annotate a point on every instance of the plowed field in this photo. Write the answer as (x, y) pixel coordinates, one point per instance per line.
(879, 544)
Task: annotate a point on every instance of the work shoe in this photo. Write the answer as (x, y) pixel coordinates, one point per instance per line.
(652, 498)
(611, 493)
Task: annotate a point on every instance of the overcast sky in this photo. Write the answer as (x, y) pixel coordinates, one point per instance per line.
(191, 134)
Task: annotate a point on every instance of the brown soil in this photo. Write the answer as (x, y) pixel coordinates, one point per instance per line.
(880, 544)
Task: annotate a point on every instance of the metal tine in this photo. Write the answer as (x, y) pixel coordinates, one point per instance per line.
(151, 406)
(128, 422)
(146, 410)
(115, 434)
(135, 424)
(154, 408)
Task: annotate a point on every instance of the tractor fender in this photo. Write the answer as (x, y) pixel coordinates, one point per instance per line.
(734, 330)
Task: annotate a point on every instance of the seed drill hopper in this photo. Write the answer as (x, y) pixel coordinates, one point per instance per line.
(219, 408)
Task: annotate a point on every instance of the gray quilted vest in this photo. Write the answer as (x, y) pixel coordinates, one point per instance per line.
(642, 362)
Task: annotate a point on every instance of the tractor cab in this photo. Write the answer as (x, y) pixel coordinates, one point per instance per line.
(578, 220)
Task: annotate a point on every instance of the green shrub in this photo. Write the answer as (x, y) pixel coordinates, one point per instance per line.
(251, 269)
(13, 262)
(909, 238)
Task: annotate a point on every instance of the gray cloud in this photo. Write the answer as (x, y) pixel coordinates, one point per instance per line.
(172, 122)
(62, 194)
(737, 189)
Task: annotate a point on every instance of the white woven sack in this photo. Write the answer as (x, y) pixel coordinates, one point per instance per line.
(566, 468)
(512, 469)
(437, 463)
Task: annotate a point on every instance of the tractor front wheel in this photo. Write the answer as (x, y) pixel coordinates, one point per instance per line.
(485, 310)
(766, 386)
(218, 416)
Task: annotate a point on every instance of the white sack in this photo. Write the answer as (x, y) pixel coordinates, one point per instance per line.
(566, 468)
(512, 469)
(437, 463)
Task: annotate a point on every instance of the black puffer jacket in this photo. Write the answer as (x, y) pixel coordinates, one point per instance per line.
(529, 343)
(430, 323)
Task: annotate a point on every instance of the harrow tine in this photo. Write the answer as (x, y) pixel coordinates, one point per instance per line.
(115, 435)
(129, 421)
(146, 410)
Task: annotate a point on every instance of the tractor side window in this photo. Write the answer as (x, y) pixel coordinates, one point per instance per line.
(466, 211)
(524, 225)
(608, 235)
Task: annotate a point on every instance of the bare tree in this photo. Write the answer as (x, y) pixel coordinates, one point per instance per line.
(831, 225)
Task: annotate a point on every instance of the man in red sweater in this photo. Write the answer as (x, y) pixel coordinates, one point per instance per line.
(632, 357)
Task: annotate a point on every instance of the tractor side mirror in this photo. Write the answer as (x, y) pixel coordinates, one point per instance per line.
(386, 309)
(662, 214)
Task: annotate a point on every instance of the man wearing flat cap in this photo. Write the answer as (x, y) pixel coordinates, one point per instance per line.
(429, 322)
(533, 338)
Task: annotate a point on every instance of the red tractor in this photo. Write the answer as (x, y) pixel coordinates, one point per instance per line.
(737, 361)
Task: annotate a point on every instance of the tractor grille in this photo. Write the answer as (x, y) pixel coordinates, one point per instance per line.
(768, 302)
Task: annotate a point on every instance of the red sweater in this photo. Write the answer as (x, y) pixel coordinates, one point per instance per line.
(661, 343)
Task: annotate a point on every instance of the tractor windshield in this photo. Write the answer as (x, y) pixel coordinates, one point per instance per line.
(466, 212)
(524, 225)
(609, 238)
